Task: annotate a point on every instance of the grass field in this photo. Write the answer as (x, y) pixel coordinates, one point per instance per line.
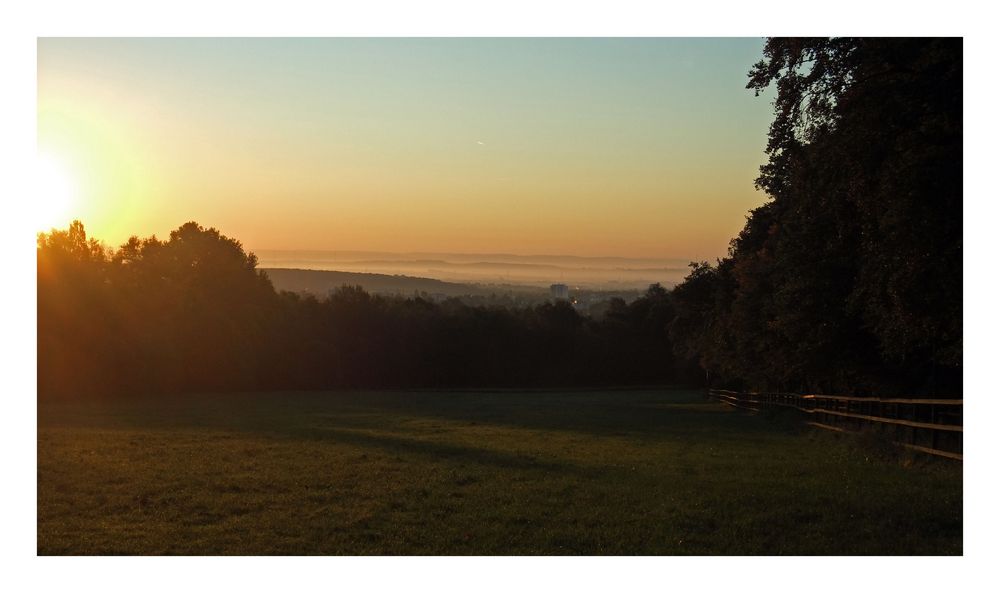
(614, 472)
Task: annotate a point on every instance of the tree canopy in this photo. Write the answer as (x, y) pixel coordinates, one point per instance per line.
(849, 278)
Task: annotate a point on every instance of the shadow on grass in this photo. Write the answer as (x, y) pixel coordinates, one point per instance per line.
(651, 415)
(656, 416)
(400, 445)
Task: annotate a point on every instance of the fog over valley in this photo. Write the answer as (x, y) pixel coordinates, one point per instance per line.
(492, 268)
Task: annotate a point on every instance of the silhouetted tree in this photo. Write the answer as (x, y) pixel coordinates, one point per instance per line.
(850, 278)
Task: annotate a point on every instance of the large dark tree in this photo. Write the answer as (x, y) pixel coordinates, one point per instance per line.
(850, 277)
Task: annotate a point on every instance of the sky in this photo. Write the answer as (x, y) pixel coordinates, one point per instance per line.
(634, 147)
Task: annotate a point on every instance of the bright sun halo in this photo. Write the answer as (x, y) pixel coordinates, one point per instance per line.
(55, 192)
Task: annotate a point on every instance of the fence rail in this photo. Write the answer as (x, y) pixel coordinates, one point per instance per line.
(931, 426)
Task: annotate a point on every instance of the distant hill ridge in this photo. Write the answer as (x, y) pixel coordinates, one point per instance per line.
(321, 282)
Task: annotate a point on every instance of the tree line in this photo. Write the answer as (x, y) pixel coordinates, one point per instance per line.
(193, 313)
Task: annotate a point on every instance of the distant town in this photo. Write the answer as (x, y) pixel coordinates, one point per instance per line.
(592, 302)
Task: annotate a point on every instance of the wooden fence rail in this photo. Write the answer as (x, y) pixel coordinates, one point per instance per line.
(931, 426)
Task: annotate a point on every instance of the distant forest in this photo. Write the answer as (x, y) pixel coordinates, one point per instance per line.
(847, 280)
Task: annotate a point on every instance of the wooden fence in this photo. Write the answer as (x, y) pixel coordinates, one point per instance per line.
(931, 426)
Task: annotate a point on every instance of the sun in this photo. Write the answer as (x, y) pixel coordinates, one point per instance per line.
(55, 193)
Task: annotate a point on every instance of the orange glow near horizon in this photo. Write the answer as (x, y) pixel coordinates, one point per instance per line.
(635, 148)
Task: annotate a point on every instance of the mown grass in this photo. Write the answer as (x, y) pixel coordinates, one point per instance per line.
(616, 472)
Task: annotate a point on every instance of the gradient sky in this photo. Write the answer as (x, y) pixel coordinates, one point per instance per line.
(628, 147)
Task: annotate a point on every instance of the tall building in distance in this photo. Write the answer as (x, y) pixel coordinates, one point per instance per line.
(559, 291)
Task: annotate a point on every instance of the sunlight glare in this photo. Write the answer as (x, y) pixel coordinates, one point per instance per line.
(55, 193)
